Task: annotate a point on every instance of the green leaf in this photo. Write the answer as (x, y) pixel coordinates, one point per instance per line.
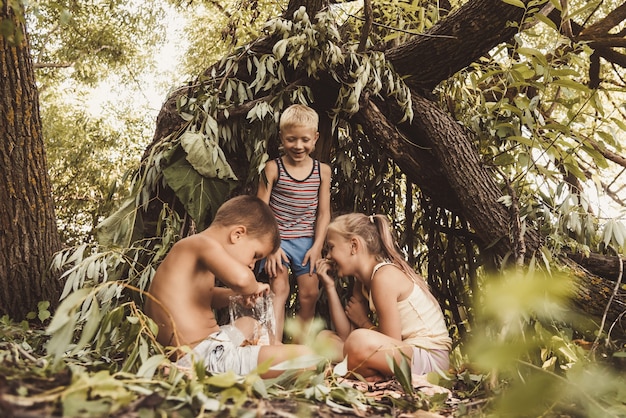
(149, 367)
(280, 48)
(557, 4)
(65, 312)
(224, 380)
(564, 82)
(205, 156)
(504, 159)
(209, 404)
(516, 3)
(613, 232)
(529, 142)
(529, 52)
(341, 368)
(62, 325)
(301, 362)
(546, 20)
(402, 372)
(574, 169)
(43, 315)
(118, 229)
(200, 196)
(94, 317)
(598, 158)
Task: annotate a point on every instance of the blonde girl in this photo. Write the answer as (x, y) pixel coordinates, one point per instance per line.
(410, 321)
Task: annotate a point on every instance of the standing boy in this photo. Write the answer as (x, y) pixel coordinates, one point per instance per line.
(183, 294)
(298, 191)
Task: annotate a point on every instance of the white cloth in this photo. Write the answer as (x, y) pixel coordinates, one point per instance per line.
(222, 351)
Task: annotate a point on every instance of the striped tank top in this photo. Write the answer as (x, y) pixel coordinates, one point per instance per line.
(295, 202)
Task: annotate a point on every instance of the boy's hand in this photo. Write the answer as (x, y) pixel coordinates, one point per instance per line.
(313, 256)
(274, 263)
(262, 290)
(324, 267)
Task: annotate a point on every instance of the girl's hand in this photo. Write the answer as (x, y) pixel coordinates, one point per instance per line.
(323, 267)
(357, 311)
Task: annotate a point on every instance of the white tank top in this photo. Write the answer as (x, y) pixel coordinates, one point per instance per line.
(421, 320)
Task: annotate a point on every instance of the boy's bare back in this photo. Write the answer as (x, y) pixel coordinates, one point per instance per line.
(184, 285)
(183, 293)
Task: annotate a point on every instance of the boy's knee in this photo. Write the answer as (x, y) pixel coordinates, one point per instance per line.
(308, 286)
(308, 294)
(280, 289)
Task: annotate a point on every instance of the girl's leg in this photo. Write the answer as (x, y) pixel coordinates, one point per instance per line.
(308, 292)
(280, 287)
(367, 352)
(333, 343)
(276, 354)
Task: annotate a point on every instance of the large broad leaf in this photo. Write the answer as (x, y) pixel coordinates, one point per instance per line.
(201, 196)
(118, 228)
(206, 157)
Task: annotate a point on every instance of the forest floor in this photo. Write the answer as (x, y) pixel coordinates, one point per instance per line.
(89, 385)
(388, 399)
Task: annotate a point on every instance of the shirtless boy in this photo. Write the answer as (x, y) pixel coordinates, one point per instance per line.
(183, 293)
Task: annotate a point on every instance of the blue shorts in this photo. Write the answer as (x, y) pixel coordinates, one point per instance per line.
(295, 249)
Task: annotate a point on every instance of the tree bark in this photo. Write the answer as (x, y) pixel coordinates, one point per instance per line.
(607, 267)
(455, 42)
(28, 230)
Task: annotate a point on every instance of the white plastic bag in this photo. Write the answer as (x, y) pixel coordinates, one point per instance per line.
(262, 311)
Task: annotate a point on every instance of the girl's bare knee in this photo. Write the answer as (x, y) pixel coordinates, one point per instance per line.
(357, 342)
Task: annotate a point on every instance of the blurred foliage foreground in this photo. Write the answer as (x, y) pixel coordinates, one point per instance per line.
(520, 359)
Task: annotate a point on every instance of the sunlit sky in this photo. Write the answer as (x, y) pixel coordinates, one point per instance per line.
(151, 87)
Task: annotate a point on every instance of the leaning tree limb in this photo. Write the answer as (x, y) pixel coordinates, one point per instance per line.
(455, 42)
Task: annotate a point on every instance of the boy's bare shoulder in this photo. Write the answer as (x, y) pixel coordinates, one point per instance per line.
(200, 240)
(271, 171)
(270, 167)
(325, 171)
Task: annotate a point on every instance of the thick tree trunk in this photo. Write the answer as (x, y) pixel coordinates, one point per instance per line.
(609, 267)
(438, 155)
(411, 154)
(28, 231)
(597, 296)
